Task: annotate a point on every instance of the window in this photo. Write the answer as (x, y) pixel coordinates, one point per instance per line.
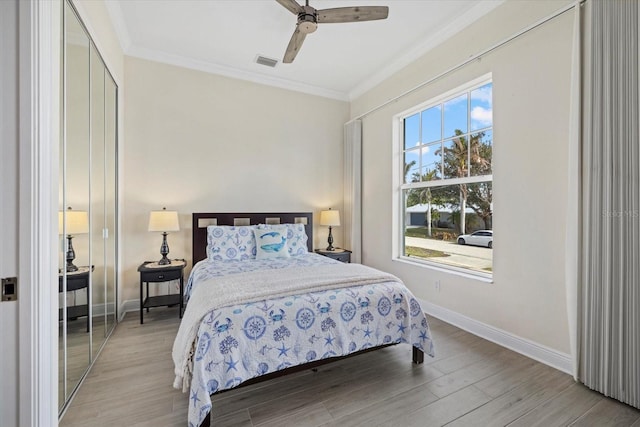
(445, 186)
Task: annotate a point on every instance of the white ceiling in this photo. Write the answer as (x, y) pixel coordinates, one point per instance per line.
(339, 61)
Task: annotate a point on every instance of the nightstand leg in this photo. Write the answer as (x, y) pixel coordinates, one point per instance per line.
(147, 294)
(141, 305)
(181, 292)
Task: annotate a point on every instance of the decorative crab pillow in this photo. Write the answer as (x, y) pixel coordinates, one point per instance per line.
(271, 242)
(228, 242)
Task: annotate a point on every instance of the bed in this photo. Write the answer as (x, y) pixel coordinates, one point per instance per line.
(260, 304)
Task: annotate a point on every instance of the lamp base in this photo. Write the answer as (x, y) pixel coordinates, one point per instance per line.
(71, 255)
(330, 241)
(164, 251)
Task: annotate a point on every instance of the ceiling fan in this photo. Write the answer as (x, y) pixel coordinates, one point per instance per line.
(309, 18)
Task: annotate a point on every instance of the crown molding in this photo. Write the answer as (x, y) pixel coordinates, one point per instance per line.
(235, 73)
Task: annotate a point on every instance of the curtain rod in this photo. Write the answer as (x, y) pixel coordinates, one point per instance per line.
(473, 57)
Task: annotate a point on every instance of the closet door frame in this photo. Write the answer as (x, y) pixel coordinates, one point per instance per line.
(39, 138)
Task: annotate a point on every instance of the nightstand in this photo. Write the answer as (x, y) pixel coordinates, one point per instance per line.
(151, 272)
(76, 280)
(343, 255)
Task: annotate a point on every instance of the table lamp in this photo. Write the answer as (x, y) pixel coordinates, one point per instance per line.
(330, 218)
(72, 223)
(164, 221)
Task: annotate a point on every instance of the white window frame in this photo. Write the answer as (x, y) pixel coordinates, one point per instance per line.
(398, 202)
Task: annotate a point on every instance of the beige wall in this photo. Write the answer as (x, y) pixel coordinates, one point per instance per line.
(531, 79)
(198, 142)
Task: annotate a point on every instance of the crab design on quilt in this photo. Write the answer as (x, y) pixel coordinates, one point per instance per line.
(324, 309)
(364, 302)
(277, 317)
(223, 327)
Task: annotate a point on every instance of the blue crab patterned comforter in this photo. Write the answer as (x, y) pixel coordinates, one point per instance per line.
(237, 343)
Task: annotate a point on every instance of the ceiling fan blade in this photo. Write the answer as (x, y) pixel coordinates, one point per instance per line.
(294, 46)
(352, 14)
(292, 5)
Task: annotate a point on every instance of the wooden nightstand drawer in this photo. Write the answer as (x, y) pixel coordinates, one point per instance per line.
(160, 276)
(341, 255)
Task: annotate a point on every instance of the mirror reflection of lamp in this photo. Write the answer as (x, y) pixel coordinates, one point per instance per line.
(72, 223)
(332, 219)
(164, 221)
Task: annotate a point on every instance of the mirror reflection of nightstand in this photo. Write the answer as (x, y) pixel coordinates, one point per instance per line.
(76, 280)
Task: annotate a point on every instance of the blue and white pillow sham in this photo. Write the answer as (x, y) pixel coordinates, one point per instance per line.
(228, 242)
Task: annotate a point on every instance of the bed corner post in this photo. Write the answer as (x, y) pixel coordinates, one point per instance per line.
(418, 356)
(207, 421)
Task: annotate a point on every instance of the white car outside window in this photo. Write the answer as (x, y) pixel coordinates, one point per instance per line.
(477, 238)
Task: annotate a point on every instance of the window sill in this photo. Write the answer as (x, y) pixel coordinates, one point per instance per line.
(469, 274)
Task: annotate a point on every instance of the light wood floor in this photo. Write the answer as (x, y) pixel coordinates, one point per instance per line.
(471, 382)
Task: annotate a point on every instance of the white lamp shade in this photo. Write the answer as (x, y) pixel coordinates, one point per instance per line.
(330, 218)
(164, 220)
(77, 222)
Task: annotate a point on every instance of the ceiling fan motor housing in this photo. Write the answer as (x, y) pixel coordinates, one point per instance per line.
(307, 20)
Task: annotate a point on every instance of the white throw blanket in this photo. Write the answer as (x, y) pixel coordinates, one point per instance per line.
(241, 288)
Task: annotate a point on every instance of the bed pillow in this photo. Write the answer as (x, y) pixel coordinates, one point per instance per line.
(228, 242)
(271, 242)
(296, 237)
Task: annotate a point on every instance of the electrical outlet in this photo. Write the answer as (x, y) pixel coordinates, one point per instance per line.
(437, 284)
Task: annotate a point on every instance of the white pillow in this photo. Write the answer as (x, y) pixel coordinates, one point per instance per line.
(225, 242)
(296, 237)
(271, 242)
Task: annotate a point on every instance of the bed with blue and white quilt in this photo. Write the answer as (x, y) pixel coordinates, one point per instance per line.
(248, 316)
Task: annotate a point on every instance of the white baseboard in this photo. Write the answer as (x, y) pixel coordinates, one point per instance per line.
(129, 305)
(533, 350)
(101, 310)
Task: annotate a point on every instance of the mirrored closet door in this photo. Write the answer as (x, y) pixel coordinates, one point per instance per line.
(87, 206)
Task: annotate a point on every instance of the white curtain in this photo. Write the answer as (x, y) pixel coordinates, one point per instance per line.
(572, 245)
(352, 215)
(609, 275)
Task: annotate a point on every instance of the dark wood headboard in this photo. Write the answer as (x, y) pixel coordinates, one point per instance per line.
(202, 220)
